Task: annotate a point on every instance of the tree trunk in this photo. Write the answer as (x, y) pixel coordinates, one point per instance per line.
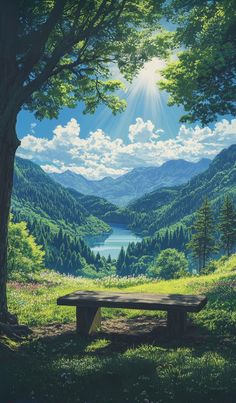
(8, 146)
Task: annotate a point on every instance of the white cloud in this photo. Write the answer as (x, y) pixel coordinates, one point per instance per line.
(99, 155)
(142, 131)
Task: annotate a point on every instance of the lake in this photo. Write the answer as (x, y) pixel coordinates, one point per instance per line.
(110, 244)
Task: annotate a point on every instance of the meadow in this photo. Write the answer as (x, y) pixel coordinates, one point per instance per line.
(131, 359)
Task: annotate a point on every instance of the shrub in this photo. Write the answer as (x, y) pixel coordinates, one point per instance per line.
(169, 264)
(25, 256)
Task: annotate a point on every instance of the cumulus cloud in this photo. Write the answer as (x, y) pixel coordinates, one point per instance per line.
(99, 155)
(142, 131)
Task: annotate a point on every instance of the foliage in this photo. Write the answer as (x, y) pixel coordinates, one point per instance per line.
(228, 226)
(25, 256)
(120, 264)
(169, 264)
(73, 45)
(202, 242)
(209, 268)
(202, 78)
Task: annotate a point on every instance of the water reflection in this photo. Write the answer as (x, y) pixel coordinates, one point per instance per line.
(110, 244)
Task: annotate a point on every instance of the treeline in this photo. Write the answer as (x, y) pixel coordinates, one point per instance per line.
(204, 240)
(210, 236)
(138, 256)
(67, 254)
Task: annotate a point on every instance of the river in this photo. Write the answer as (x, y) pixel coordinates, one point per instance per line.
(110, 244)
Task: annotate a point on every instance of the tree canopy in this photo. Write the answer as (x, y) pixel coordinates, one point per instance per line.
(63, 50)
(25, 256)
(202, 77)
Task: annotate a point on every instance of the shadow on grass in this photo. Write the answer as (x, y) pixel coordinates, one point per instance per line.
(117, 365)
(129, 360)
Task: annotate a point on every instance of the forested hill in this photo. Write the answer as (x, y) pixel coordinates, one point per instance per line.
(168, 206)
(38, 197)
(57, 219)
(103, 209)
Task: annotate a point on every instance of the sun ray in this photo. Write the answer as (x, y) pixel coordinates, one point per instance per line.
(144, 99)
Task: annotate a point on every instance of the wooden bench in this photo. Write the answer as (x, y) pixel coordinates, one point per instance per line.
(88, 307)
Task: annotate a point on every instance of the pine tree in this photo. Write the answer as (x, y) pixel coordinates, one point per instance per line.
(202, 242)
(109, 259)
(120, 262)
(98, 261)
(227, 226)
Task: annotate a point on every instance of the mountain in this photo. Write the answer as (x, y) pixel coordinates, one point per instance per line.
(136, 183)
(38, 197)
(103, 209)
(168, 206)
(58, 218)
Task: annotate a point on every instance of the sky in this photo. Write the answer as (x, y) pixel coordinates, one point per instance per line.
(148, 133)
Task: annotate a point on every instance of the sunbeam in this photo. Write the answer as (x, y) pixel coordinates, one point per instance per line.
(144, 99)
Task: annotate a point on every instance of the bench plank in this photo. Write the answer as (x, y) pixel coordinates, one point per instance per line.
(164, 302)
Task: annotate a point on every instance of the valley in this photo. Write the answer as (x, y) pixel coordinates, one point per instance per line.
(65, 220)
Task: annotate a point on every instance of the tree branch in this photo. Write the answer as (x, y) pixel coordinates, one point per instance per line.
(40, 39)
(65, 46)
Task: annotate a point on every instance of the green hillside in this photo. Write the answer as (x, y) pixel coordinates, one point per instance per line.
(103, 209)
(165, 207)
(37, 197)
(57, 219)
(97, 206)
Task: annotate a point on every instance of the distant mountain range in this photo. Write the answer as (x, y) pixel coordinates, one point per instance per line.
(136, 183)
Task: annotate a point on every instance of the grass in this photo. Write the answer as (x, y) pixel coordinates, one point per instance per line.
(57, 366)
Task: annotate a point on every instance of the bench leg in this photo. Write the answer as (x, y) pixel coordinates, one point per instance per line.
(176, 322)
(87, 320)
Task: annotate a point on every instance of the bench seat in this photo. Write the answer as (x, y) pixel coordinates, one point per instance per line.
(88, 307)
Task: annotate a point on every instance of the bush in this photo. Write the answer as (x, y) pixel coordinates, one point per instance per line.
(25, 256)
(169, 264)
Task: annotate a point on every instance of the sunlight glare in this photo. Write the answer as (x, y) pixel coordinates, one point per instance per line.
(144, 99)
(149, 75)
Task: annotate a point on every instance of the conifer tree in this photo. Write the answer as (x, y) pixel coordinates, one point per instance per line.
(120, 265)
(202, 242)
(227, 226)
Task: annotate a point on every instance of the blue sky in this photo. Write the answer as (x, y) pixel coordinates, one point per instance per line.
(148, 103)
(147, 133)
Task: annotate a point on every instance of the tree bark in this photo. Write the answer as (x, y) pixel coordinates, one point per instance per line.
(8, 147)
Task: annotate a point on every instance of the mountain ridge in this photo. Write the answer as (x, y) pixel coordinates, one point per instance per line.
(167, 206)
(135, 183)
